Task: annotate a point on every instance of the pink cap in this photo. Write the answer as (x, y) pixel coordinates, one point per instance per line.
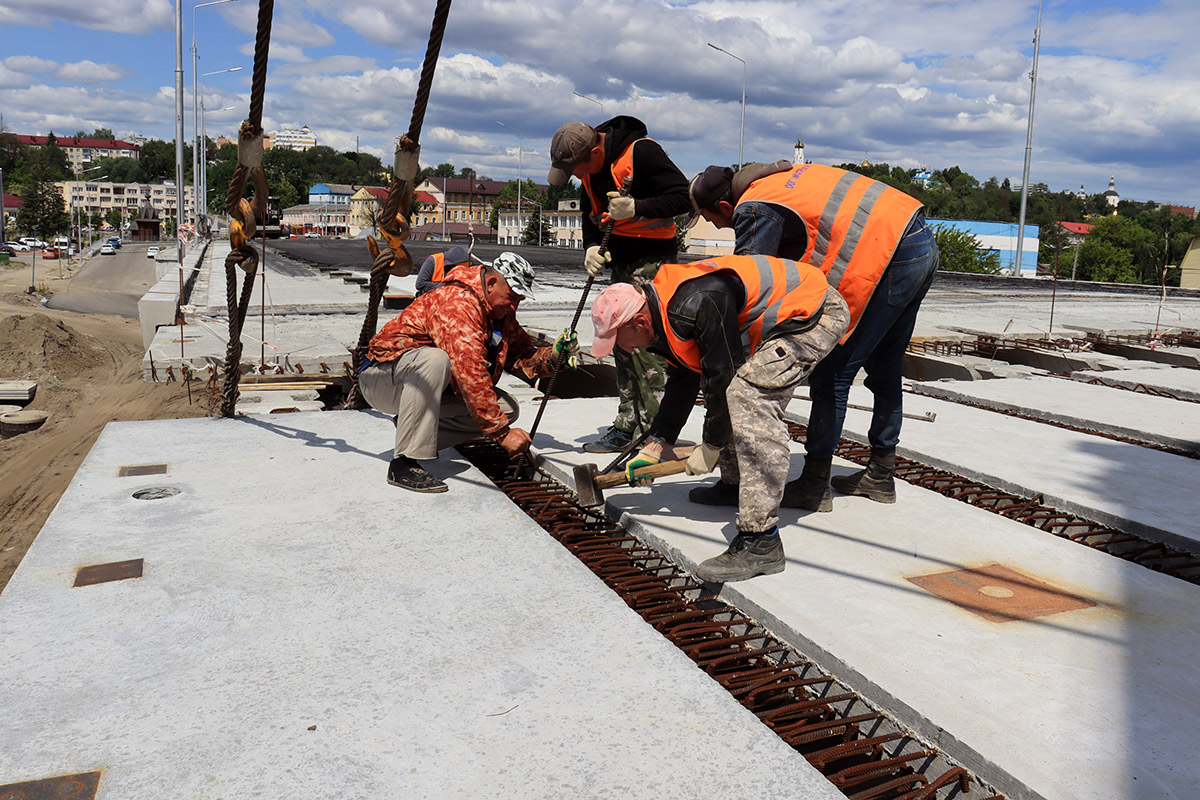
(615, 306)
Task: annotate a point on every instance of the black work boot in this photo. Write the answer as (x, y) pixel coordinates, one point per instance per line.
(408, 474)
(749, 554)
(876, 481)
(811, 490)
(718, 494)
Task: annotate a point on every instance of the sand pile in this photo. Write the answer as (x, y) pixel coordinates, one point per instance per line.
(36, 347)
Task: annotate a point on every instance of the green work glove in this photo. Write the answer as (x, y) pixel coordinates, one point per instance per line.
(567, 347)
(642, 459)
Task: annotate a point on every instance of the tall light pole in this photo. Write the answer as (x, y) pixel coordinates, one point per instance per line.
(1037, 43)
(198, 201)
(594, 100)
(520, 175)
(742, 136)
(195, 113)
(204, 162)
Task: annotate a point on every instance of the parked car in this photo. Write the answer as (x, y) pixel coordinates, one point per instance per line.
(107, 249)
(152, 251)
(312, 235)
(8, 250)
(49, 252)
(114, 241)
(20, 247)
(29, 241)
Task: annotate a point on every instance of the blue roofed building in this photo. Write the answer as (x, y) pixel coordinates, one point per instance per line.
(1000, 237)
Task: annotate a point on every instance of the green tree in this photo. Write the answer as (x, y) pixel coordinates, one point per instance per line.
(959, 251)
(42, 207)
(157, 162)
(1101, 260)
(118, 170)
(536, 230)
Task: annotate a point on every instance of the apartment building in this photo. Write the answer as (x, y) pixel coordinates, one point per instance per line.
(103, 196)
(81, 152)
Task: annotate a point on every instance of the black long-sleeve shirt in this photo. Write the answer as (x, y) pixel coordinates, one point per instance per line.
(659, 190)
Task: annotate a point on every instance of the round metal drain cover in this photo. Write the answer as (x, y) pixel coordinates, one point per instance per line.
(156, 493)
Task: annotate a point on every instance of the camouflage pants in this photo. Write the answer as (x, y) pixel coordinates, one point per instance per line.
(758, 454)
(641, 375)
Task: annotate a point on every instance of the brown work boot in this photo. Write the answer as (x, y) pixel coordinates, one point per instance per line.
(876, 481)
(811, 490)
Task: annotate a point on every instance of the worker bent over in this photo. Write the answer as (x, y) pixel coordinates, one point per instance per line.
(747, 330)
(873, 245)
(435, 367)
(434, 269)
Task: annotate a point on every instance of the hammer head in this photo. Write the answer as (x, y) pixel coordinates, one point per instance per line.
(585, 486)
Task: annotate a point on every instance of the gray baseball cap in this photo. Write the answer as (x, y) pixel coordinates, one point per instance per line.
(517, 271)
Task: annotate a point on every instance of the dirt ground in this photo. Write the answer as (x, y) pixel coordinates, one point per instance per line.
(88, 369)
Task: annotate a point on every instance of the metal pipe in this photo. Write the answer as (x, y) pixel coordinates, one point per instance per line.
(1037, 43)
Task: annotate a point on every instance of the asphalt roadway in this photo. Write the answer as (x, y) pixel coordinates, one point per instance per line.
(106, 284)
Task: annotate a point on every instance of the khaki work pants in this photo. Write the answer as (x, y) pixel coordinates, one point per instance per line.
(412, 388)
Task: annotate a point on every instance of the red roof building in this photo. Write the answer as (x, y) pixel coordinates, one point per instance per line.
(80, 151)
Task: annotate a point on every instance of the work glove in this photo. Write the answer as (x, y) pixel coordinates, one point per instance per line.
(642, 459)
(593, 262)
(703, 460)
(619, 206)
(567, 348)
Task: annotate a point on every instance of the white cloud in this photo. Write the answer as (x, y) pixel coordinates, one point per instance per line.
(30, 64)
(89, 72)
(117, 16)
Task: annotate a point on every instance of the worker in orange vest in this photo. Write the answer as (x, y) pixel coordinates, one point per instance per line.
(435, 268)
(630, 183)
(748, 330)
(873, 244)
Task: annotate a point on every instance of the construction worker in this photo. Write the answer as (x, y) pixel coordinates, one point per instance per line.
(435, 367)
(630, 184)
(433, 269)
(746, 330)
(872, 243)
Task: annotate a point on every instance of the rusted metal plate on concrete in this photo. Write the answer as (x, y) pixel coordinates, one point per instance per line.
(103, 573)
(999, 594)
(142, 469)
(64, 787)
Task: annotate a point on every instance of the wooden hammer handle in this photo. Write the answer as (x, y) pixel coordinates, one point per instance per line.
(653, 471)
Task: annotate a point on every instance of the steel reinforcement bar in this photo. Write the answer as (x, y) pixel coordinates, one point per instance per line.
(1032, 511)
(861, 750)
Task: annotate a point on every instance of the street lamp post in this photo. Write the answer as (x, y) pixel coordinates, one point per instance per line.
(520, 174)
(203, 197)
(195, 113)
(594, 100)
(742, 135)
(203, 193)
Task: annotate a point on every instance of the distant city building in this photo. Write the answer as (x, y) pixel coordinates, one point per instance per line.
(1187, 211)
(922, 175)
(567, 223)
(706, 239)
(365, 205)
(103, 196)
(1001, 238)
(1081, 194)
(332, 193)
(82, 152)
(1111, 195)
(302, 139)
(798, 152)
(1075, 232)
(1189, 267)
(325, 219)
(465, 200)
(429, 210)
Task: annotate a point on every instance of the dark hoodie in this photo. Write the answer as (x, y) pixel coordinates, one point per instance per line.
(659, 188)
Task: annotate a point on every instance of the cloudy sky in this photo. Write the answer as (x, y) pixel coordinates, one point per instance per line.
(936, 83)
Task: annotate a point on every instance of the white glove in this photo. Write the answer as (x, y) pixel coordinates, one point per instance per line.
(702, 461)
(620, 206)
(594, 262)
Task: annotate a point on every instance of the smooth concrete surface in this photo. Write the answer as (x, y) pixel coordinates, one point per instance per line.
(1183, 383)
(1127, 486)
(303, 629)
(160, 304)
(1157, 420)
(1175, 356)
(18, 390)
(1097, 703)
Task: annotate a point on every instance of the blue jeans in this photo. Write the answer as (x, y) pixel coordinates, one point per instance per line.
(877, 345)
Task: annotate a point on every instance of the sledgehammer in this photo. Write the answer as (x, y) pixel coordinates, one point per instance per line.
(590, 486)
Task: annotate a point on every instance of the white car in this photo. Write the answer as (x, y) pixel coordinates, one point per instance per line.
(21, 246)
(107, 250)
(152, 251)
(312, 235)
(29, 241)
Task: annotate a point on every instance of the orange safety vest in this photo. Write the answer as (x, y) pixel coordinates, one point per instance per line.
(440, 269)
(854, 224)
(776, 290)
(638, 227)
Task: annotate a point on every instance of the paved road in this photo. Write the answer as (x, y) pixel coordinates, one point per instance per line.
(108, 284)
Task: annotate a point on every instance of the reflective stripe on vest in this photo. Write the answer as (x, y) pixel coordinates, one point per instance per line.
(776, 290)
(854, 224)
(638, 227)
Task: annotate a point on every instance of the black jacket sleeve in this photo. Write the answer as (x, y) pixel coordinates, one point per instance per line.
(659, 189)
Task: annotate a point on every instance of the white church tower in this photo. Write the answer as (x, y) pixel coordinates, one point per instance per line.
(798, 154)
(1111, 195)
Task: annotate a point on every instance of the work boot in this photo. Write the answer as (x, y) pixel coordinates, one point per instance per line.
(613, 441)
(408, 474)
(749, 554)
(718, 494)
(874, 482)
(811, 490)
